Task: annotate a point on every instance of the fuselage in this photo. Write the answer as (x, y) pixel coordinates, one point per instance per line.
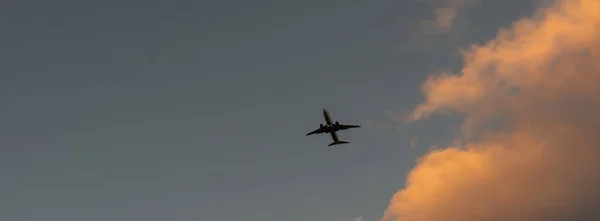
(329, 126)
(327, 117)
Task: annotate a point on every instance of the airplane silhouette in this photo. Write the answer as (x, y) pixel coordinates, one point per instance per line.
(332, 128)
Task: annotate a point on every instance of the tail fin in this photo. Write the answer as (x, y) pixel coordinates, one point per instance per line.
(337, 143)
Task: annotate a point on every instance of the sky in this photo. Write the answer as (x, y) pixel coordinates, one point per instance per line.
(198, 110)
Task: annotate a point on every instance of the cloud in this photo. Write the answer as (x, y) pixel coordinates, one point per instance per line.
(541, 77)
(413, 142)
(445, 27)
(444, 16)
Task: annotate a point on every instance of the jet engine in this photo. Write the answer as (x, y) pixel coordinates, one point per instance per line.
(337, 123)
(321, 126)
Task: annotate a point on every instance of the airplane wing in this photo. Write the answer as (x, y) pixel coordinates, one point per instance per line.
(346, 127)
(317, 131)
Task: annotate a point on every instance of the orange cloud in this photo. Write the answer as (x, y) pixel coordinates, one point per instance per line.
(542, 76)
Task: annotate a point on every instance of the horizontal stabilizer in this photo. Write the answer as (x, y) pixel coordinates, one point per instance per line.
(337, 143)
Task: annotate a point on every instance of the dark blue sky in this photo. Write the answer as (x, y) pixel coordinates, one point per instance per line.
(197, 110)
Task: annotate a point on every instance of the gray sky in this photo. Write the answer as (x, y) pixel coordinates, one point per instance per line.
(197, 110)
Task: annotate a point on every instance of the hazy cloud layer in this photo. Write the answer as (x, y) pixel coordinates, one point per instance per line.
(542, 77)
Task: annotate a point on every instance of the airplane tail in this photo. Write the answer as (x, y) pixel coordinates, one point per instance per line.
(337, 143)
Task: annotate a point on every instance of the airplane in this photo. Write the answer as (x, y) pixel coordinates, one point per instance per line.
(332, 128)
